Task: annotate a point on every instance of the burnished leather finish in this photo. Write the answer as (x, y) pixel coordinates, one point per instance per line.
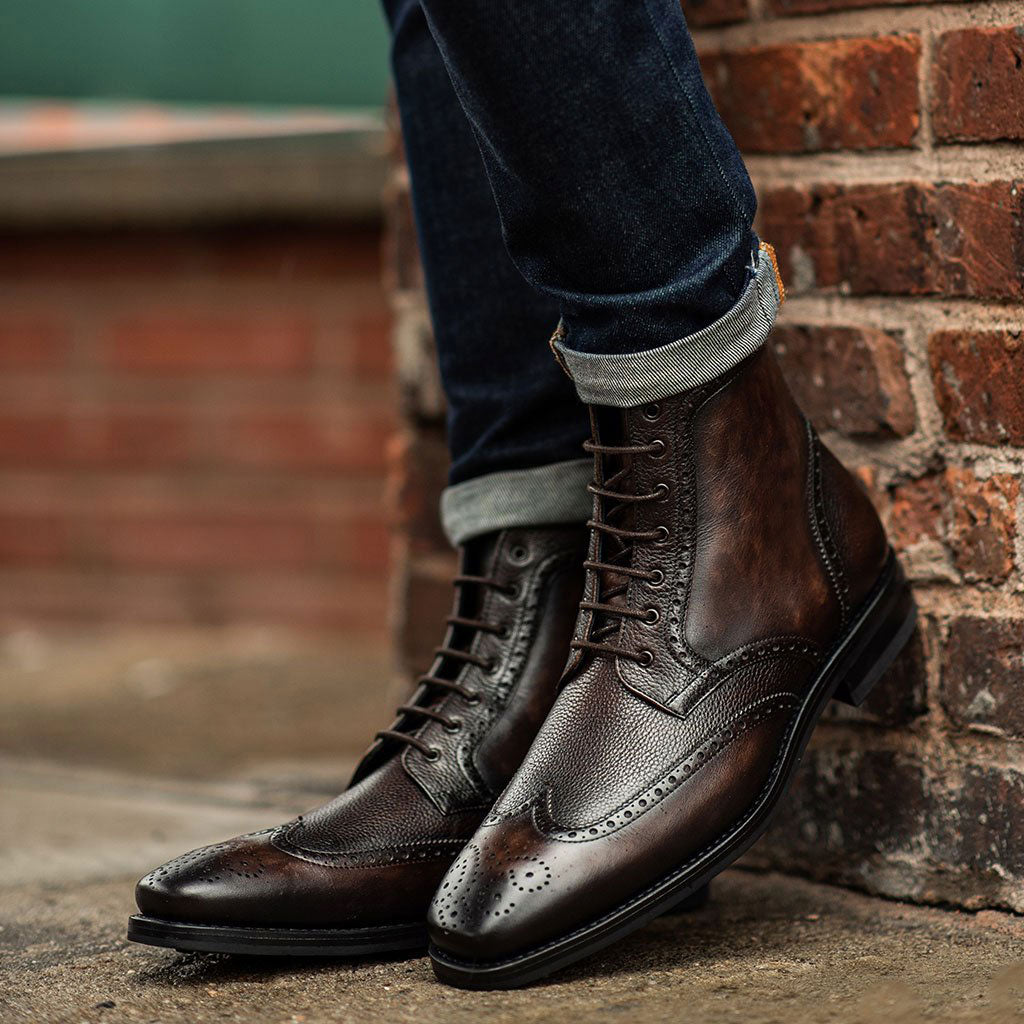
(737, 577)
(372, 858)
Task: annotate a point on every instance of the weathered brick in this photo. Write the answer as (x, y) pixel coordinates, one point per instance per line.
(849, 812)
(977, 377)
(984, 526)
(887, 820)
(978, 85)
(28, 438)
(121, 438)
(807, 97)
(982, 668)
(33, 342)
(974, 519)
(702, 13)
(317, 601)
(962, 240)
(419, 472)
(37, 539)
(973, 836)
(203, 542)
(362, 544)
(306, 439)
(849, 379)
(369, 340)
(171, 342)
(425, 597)
(917, 510)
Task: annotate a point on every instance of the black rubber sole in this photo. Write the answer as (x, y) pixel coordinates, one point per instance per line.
(879, 631)
(336, 942)
(339, 942)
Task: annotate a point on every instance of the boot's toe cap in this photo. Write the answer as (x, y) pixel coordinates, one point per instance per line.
(220, 884)
(501, 897)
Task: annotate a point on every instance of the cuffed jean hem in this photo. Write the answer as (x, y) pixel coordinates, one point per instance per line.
(638, 377)
(556, 493)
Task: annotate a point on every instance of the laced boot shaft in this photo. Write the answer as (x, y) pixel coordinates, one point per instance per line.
(737, 579)
(619, 525)
(455, 653)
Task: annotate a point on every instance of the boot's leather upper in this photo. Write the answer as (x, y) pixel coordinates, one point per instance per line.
(375, 854)
(729, 549)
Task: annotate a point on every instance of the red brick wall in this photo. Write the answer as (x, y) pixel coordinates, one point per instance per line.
(193, 426)
(886, 145)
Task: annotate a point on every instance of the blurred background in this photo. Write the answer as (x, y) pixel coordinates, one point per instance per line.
(222, 442)
(196, 393)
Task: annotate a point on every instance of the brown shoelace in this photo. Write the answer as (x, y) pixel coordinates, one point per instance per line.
(614, 506)
(439, 686)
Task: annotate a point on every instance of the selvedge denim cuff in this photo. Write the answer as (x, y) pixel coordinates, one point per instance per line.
(638, 377)
(543, 495)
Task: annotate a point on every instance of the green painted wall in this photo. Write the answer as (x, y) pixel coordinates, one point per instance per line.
(220, 51)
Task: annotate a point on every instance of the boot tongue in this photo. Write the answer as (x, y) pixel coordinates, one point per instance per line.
(614, 473)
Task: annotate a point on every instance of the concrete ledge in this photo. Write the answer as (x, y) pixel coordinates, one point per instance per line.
(194, 170)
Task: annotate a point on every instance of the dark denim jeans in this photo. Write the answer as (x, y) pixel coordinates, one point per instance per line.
(566, 162)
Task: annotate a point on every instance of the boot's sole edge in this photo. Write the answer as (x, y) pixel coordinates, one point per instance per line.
(881, 629)
(336, 942)
(208, 938)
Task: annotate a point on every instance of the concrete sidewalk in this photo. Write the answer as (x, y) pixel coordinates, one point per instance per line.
(75, 834)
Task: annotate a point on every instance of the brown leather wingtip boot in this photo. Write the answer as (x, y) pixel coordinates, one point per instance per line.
(356, 875)
(738, 579)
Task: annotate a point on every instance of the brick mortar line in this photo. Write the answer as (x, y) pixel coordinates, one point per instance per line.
(900, 312)
(908, 458)
(922, 387)
(955, 164)
(860, 23)
(968, 599)
(925, 134)
(955, 748)
(915, 321)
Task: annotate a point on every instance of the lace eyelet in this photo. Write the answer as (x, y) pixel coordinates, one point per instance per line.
(453, 726)
(504, 633)
(652, 616)
(661, 491)
(491, 667)
(519, 554)
(659, 448)
(433, 754)
(513, 591)
(651, 411)
(656, 578)
(662, 534)
(646, 659)
(472, 698)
